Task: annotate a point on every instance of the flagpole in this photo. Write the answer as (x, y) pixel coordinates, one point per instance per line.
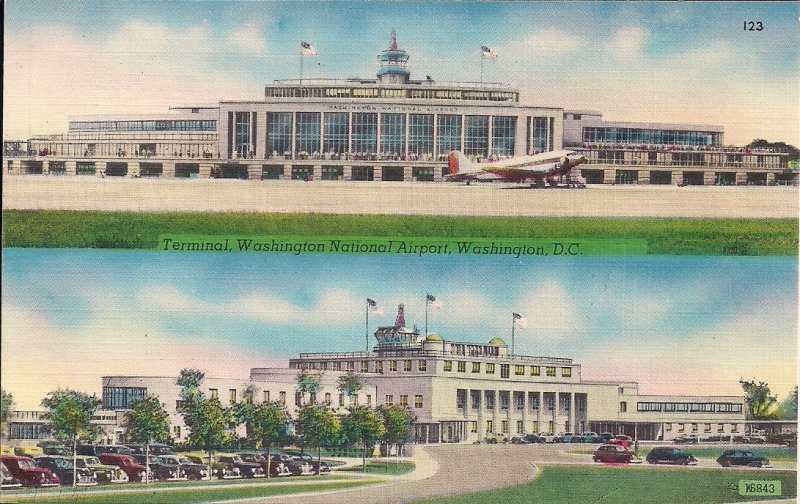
(366, 331)
(426, 315)
(482, 58)
(513, 325)
(301, 67)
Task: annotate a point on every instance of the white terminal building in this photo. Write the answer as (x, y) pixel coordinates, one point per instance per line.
(387, 128)
(458, 392)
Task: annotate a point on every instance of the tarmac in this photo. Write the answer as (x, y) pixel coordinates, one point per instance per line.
(47, 192)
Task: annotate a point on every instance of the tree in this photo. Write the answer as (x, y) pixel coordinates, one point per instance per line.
(397, 421)
(760, 401)
(147, 422)
(189, 379)
(268, 427)
(6, 407)
(308, 383)
(318, 427)
(70, 418)
(350, 385)
(243, 413)
(364, 426)
(788, 408)
(207, 421)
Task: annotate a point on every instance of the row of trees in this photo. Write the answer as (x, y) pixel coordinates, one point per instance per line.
(763, 405)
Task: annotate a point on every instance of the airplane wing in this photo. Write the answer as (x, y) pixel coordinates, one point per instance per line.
(519, 168)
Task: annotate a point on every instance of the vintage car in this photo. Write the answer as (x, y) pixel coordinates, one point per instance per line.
(55, 448)
(26, 472)
(62, 467)
(246, 469)
(742, 458)
(297, 467)
(592, 437)
(134, 470)
(669, 455)
(276, 467)
(614, 454)
(564, 437)
(191, 470)
(153, 449)
(7, 480)
(606, 437)
(622, 440)
(28, 451)
(104, 473)
(219, 469)
(533, 438)
(684, 439)
(547, 437)
(161, 470)
(319, 467)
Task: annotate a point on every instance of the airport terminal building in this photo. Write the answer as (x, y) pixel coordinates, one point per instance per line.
(387, 128)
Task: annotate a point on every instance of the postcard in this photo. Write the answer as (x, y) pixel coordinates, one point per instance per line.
(400, 252)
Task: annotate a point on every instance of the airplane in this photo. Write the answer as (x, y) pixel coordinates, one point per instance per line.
(538, 167)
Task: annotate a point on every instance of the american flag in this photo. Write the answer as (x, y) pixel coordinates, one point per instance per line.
(307, 49)
(487, 53)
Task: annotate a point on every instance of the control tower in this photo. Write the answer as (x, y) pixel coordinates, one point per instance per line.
(393, 64)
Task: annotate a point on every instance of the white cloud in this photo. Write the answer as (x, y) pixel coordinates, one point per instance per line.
(39, 357)
(248, 38)
(549, 43)
(627, 42)
(549, 308)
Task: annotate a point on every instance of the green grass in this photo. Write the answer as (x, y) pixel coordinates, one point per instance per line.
(134, 230)
(203, 493)
(634, 485)
(385, 467)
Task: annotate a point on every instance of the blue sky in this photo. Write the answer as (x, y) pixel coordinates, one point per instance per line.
(675, 324)
(668, 62)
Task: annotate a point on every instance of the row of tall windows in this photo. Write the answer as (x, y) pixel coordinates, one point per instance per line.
(670, 407)
(165, 125)
(122, 397)
(649, 136)
(336, 132)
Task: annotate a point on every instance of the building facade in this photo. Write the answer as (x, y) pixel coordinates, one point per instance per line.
(389, 128)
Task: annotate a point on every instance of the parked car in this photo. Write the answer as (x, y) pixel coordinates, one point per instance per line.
(319, 467)
(756, 437)
(606, 437)
(614, 454)
(276, 467)
(496, 439)
(592, 437)
(219, 469)
(154, 449)
(7, 480)
(742, 458)
(161, 470)
(669, 455)
(296, 467)
(134, 470)
(519, 440)
(62, 467)
(103, 472)
(533, 438)
(55, 448)
(622, 440)
(564, 437)
(28, 451)
(191, 470)
(547, 437)
(246, 469)
(686, 439)
(25, 471)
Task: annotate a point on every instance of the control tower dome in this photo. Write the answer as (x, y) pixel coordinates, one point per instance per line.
(393, 64)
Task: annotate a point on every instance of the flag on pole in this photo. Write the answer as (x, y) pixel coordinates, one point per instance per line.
(429, 297)
(487, 53)
(371, 302)
(437, 305)
(519, 321)
(307, 49)
(378, 311)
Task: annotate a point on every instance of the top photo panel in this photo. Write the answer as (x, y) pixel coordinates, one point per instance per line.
(460, 109)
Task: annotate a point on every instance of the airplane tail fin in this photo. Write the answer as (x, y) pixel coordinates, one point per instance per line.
(459, 164)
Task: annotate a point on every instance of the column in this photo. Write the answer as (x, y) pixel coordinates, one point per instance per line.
(349, 136)
(677, 177)
(572, 417)
(168, 169)
(100, 168)
(254, 172)
(435, 135)
(741, 178)
(609, 176)
(463, 131)
(481, 418)
(771, 178)
(72, 167)
(134, 169)
(524, 412)
(287, 171)
(294, 135)
(489, 142)
(347, 172)
(377, 173)
(540, 414)
(709, 178)
(644, 177)
(204, 170)
(408, 174)
(317, 172)
(496, 411)
(408, 131)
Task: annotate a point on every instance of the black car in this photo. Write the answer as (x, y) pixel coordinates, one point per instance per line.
(297, 466)
(97, 450)
(668, 455)
(62, 467)
(154, 449)
(246, 469)
(55, 448)
(191, 470)
(161, 470)
(533, 438)
(319, 467)
(742, 458)
(276, 467)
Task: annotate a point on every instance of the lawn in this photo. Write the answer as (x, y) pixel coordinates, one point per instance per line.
(385, 467)
(134, 230)
(634, 485)
(203, 493)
